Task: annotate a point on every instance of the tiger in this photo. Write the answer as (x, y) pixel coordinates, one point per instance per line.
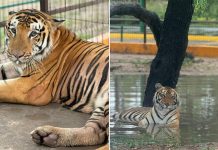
(49, 63)
(165, 111)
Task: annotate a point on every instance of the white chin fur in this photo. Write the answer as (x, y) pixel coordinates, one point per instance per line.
(20, 68)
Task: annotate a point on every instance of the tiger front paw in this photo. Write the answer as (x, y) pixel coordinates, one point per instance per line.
(45, 135)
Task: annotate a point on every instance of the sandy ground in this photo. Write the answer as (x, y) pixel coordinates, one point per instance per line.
(131, 64)
(17, 121)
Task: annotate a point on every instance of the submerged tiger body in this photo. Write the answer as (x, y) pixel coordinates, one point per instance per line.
(54, 65)
(164, 112)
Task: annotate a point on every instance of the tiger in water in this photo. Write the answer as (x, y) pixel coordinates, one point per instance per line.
(165, 111)
(49, 63)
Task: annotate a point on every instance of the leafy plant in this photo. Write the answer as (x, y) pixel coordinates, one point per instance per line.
(200, 5)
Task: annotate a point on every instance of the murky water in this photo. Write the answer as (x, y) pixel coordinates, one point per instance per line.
(199, 112)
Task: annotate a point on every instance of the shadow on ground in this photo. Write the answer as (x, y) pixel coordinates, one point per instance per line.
(17, 121)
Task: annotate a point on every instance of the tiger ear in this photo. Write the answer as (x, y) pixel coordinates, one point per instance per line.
(11, 12)
(57, 22)
(158, 86)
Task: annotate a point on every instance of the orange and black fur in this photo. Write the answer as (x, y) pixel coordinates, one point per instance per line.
(51, 64)
(165, 111)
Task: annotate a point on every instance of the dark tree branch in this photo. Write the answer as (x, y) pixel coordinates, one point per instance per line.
(149, 18)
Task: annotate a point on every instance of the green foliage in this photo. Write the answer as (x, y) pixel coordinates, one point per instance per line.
(200, 6)
(204, 9)
(158, 6)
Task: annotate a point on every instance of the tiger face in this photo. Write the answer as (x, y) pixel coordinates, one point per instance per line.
(165, 98)
(29, 36)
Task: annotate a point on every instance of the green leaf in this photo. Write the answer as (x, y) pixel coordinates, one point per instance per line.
(200, 5)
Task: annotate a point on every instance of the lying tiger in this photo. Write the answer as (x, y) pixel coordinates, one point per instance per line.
(54, 65)
(164, 112)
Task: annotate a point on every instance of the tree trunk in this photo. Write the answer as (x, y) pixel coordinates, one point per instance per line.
(166, 65)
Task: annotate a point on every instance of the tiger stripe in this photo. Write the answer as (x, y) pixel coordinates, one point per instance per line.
(54, 65)
(165, 110)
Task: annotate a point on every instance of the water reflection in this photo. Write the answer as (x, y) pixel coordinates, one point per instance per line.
(199, 111)
(156, 132)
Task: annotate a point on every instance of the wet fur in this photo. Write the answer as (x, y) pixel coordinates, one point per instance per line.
(165, 111)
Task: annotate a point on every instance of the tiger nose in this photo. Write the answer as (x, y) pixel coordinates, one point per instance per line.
(18, 54)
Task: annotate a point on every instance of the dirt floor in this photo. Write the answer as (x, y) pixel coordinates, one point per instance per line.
(17, 121)
(131, 64)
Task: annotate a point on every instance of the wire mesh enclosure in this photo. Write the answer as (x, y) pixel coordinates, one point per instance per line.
(89, 19)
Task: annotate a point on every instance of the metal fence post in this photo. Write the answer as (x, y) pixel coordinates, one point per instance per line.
(44, 6)
(142, 3)
(145, 38)
(121, 33)
(142, 25)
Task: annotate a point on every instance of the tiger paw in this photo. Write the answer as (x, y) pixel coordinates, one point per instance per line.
(45, 135)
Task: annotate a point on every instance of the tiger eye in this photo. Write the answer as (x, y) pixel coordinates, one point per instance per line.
(13, 30)
(162, 94)
(33, 34)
